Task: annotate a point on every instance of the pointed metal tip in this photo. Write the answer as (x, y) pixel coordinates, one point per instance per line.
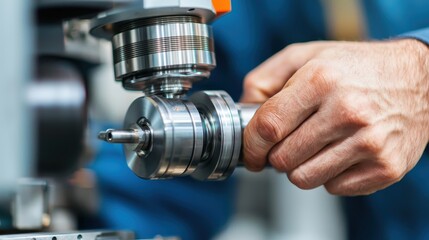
(105, 135)
(102, 135)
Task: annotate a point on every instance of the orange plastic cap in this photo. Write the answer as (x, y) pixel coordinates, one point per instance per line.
(222, 6)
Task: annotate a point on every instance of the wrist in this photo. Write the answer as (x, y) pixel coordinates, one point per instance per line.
(419, 50)
(416, 55)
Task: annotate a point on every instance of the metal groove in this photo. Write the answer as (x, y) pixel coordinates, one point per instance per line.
(161, 31)
(176, 62)
(169, 44)
(129, 25)
(147, 51)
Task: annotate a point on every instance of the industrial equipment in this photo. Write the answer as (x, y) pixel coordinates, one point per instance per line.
(161, 48)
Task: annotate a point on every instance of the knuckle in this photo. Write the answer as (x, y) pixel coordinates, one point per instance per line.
(371, 144)
(252, 156)
(248, 151)
(322, 75)
(321, 71)
(293, 48)
(352, 112)
(250, 160)
(250, 81)
(268, 126)
(280, 161)
(391, 172)
(301, 179)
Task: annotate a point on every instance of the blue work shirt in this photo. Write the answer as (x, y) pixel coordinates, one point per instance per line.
(251, 33)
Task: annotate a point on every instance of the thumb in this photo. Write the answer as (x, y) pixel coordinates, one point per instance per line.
(269, 78)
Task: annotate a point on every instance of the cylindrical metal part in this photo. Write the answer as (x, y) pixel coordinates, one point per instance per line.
(225, 143)
(122, 136)
(200, 137)
(176, 137)
(162, 55)
(246, 112)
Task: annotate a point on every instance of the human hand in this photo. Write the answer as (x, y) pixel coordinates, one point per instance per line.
(351, 116)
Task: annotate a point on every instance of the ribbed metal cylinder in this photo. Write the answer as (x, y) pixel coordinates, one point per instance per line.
(199, 137)
(162, 55)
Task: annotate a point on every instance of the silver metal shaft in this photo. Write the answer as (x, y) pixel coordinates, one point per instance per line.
(246, 112)
(120, 136)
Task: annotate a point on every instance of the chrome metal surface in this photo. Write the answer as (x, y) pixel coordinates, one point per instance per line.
(106, 4)
(170, 87)
(102, 25)
(160, 47)
(246, 112)
(162, 55)
(200, 137)
(121, 136)
(224, 122)
(176, 137)
(152, 28)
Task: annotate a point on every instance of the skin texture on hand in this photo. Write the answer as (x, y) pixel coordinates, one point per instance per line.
(351, 116)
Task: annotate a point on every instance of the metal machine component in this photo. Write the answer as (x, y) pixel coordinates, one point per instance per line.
(30, 206)
(160, 48)
(163, 55)
(223, 134)
(167, 138)
(58, 98)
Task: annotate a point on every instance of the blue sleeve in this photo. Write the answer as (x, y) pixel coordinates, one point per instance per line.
(421, 35)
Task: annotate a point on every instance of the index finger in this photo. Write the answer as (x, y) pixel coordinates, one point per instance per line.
(280, 116)
(270, 76)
